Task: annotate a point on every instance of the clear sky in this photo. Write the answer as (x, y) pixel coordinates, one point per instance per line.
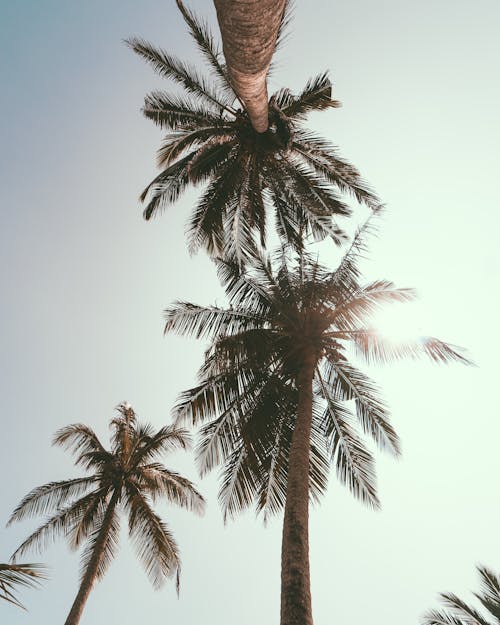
(84, 281)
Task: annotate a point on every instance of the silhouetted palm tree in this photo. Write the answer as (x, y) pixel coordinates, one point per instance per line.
(211, 139)
(249, 32)
(129, 477)
(14, 576)
(458, 612)
(273, 388)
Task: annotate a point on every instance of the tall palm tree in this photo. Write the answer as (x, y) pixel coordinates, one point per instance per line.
(128, 478)
(13, 576)
(273, 388)
(249, 32)
(458, 612)
(210, 139)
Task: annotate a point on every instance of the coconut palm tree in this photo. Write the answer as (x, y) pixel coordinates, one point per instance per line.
(249, 32)
(13, 576)
(273, 391)
(128, 478)
(210, 139)
(458, 612)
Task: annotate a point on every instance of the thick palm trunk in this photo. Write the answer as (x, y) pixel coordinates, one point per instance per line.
(90, 575)
(295, 577)
(249, 30)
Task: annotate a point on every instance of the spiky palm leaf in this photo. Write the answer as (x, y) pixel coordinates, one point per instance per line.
(458, 612)
(15, 576)
(127, 478)
(210, 139)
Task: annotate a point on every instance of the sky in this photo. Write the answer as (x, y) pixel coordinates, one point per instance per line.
(84, 281)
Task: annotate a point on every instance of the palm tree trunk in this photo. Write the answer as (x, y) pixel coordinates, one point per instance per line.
(249, 30)
(295, 577)
(90, 575)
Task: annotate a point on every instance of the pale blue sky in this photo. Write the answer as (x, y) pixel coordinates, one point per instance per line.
(84, 281)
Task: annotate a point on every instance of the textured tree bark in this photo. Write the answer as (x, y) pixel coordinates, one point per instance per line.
(295, 576)
(91, 573)
(249, 30)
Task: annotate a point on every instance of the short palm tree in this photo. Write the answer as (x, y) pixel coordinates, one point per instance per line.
(210, 139)
(273, 392)
(14, 576)
(129, 477)
(458, 612)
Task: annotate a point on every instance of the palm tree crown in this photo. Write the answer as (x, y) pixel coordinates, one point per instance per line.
(13, 576)
(248, 392)
(129, 476)
(273, 391)
(210, 139)
(458, 612)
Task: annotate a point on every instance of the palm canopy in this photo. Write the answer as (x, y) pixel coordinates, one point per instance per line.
(280, 316)
(129, 476)
(458, 612)
(210, 139)
(15, 576)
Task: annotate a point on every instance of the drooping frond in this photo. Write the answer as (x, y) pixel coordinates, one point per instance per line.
(50, 497)
(155, 545)
(353, 462)
(346, 383)
(462, 610)
(15, 576)
(58, 524)
(160, 483)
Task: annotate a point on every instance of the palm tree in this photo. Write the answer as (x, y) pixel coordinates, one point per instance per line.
(13, 576)
(210, 139)
(129, 477)
(249, 32)
(273, 388)
(460, 613)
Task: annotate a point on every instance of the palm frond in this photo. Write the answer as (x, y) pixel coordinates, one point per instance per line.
(14, 576)
(377, 349)
(462, 610)
(167, 186)
(173, 111)
(346, 383)
(159, 482)
(316, 96)
(168, 66)
(322, 157)
(207, 45)
(210, 136)
(353, 462)
(79, 439)
(490, 587)
(59, 524)
(50, 497)
(155, 545)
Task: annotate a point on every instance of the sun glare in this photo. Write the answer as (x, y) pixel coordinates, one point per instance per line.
(399, 323)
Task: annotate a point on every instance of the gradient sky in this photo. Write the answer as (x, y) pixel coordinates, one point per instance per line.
(84, 281)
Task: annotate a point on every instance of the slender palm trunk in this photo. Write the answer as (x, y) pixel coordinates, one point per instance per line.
(295, 577)
(249, 30)
(90, 575)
